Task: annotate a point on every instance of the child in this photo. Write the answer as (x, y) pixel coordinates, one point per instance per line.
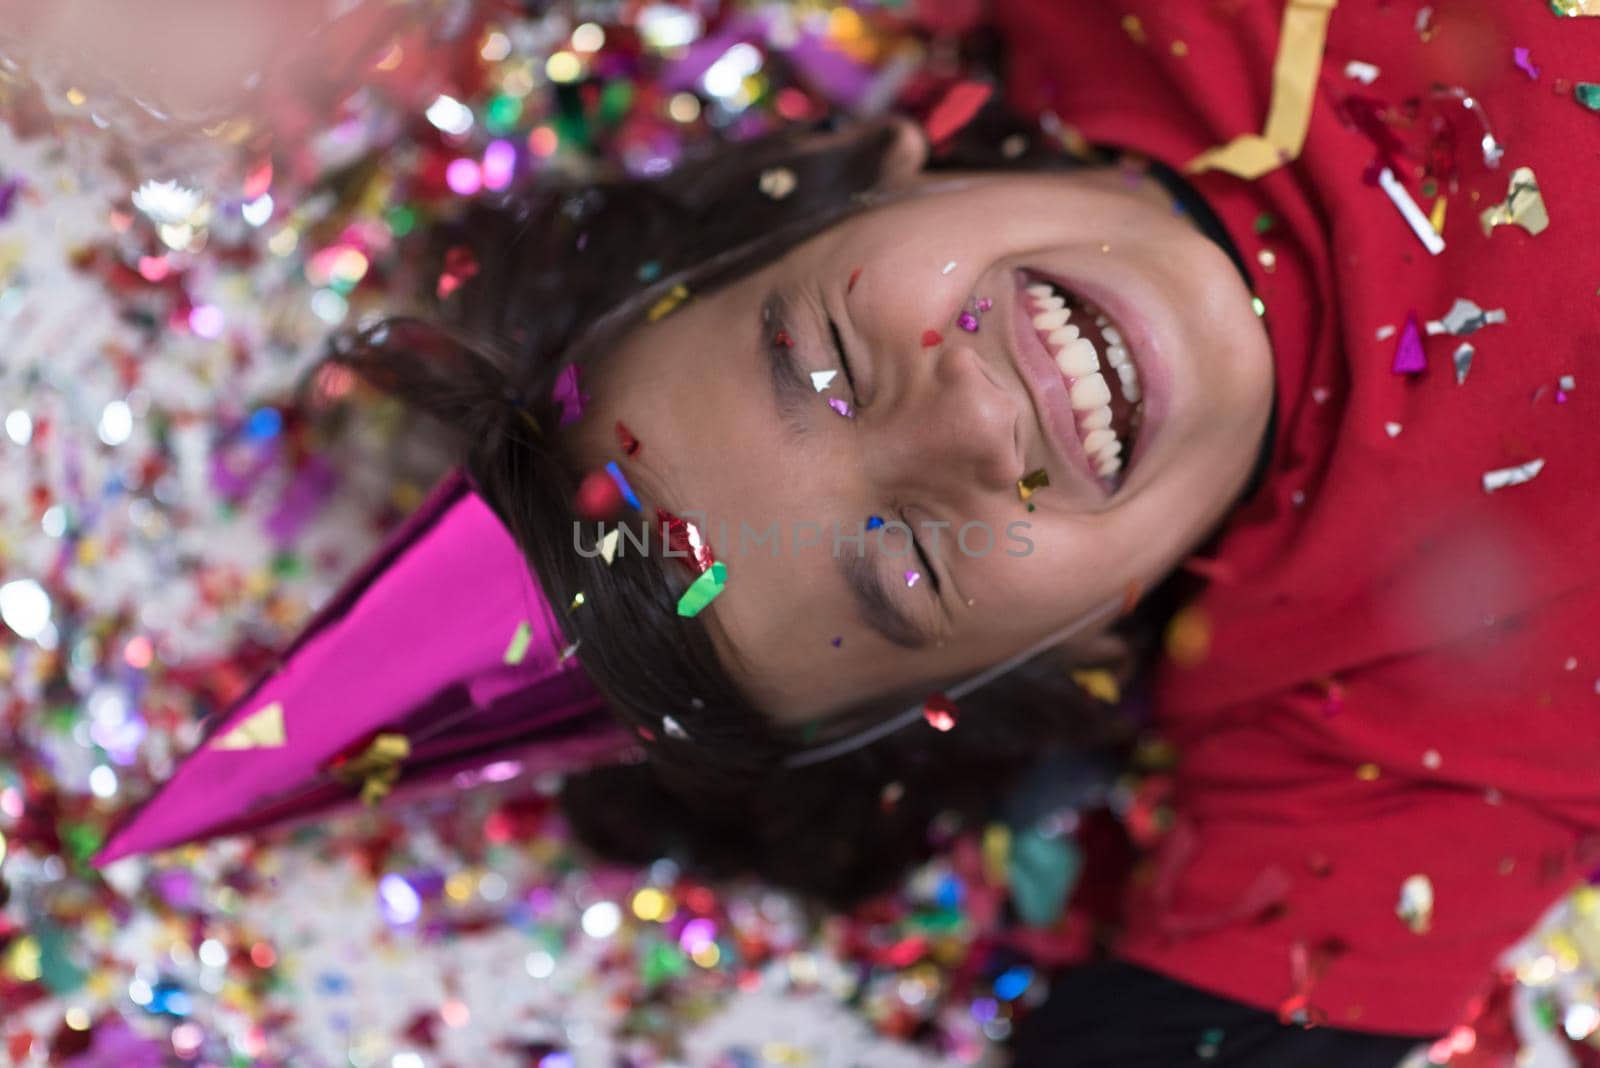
(899, 416)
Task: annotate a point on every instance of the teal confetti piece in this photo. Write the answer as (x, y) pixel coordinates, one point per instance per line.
(519, 643)
(705, 589)
(1587, 94)
(1042, 876)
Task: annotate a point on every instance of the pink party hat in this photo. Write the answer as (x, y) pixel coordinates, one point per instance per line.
(438, 663)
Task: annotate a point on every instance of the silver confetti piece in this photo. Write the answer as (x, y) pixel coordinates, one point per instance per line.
(1465, 317)
(1415, 907)
(1463, 361)
(1511, 476)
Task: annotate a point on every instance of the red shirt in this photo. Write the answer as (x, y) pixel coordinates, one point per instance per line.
(1403, 673)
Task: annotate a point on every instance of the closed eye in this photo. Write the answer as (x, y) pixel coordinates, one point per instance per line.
(844, 359)
(922, 556)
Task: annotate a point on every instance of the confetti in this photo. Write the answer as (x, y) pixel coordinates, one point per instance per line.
(874, 522)
(954, 110)
(626, 440)
(1511, 476)
(821, 380)
(1564, 387)
(669, 303)
(912, 578)
(1392, 429)
(1436, 216)
(460, 265)
(1587, 94)
(1415, 906)
(1099, 684)
(1409, 357)
(375, 767)
(608, 545)
(939, 712)
(842, 407)
(705, 589)
(783, 340)
(1410, 212)
(931, 338)
(1574, 8)
(262, 729)
(1032, 483)
(1523, 205)
(1365, 73)
(1294, 80)
(948, 267)
(673, 729)
(968, 322)
(599, 497)
(777, 182)
(1134, 28)
(1465, 317)
(855, 276)
(682, 540)
(622, 484)
(1524, 62)
(521, 639)
(1463, 361)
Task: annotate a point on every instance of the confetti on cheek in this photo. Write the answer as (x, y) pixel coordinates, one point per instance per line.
(1032, 483)
(1511, 476)
(874, 522)
(984, 304)
(939, 712)
(705, 589)
(912, 578)
(783, 340)
(855, 276)
(931, 338)
(821, 380)
(837, 642)
(1409, 358)
(1524, 63)
(626, 440)
(842, 407)
(968, 322)
(955, 110)
(684, 541)
(622, 484)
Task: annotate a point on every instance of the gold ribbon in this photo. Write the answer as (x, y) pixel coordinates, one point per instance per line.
(1294, 85)
(375, 768)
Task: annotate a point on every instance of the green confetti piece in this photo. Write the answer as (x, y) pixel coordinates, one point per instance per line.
(705, 589)
(402, 220)
(519, 643)
(57, 970)
(1587, 94)
(503, 114)
(1042, 873)
(1264, 222)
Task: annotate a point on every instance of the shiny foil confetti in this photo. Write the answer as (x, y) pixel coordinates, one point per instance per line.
(1409, 357)
(954, 110)
(1524, 62)
(621, 480)
(931, 338)
(838, 404)
(705, 589)
(682, 540)
(1415, 905)
(1465, 317)
(1587, 94)
(1032, 483)
(777, 182)
(821, 380)
(912, 578)
(673, 729)
(626, 440)
(517, 648)
(375, 767)
(1574, 8)
(262, 729)
(669, 303)
(1462, 358)
(1503, 477)
(608, 545)
(1523, 206)
(968, 322)
(939, 712)
(1413, 215)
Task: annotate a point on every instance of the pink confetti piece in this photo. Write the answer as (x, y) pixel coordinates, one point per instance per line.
(984, 304)
(1520, 56)
(841, 406)
(913, 577)
(968, 322)
(1409, 357)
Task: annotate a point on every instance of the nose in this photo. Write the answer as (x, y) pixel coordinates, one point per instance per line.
(954, 425)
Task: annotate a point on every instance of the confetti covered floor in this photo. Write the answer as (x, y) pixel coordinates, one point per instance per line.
(171, 512)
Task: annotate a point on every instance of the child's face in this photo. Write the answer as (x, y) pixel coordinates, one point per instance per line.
(945, 422)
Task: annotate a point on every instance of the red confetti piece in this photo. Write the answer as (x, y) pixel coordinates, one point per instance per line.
(598, 497)
(931, 338)
(625, 438)
(683, 540)
(783, 340)
(855, 276)
(953, 112)
(939, 711)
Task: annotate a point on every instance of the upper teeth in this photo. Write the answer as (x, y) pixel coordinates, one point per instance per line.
(1077, 359)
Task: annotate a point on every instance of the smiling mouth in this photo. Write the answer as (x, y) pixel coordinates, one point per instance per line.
(1093, 358)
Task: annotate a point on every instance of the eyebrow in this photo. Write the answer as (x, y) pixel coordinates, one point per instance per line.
(790, 389)
(876, 607)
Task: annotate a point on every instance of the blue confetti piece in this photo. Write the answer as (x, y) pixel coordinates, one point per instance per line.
(1012, 982)
(263, 423)
(622, 484)
(874, 522)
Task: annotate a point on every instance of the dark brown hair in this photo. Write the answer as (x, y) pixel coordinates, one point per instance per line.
(560, 274)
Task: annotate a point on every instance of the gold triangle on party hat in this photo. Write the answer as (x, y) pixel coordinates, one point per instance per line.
(259, 730)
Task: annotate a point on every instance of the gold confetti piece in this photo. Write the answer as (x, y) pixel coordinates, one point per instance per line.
(777, 182)
(1368, 772)
(1032, 483)
(1294, 82)
(1511, 476)
(1188, 637)
(376, 768)
(1134, 28)
(1415, 907)
(996, 852)
(1574, 8)
(669, 303)
(520, 640)
(1099, 684)
(1436, 216)
(260, 730)
(1523, 205)
(608, 545)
